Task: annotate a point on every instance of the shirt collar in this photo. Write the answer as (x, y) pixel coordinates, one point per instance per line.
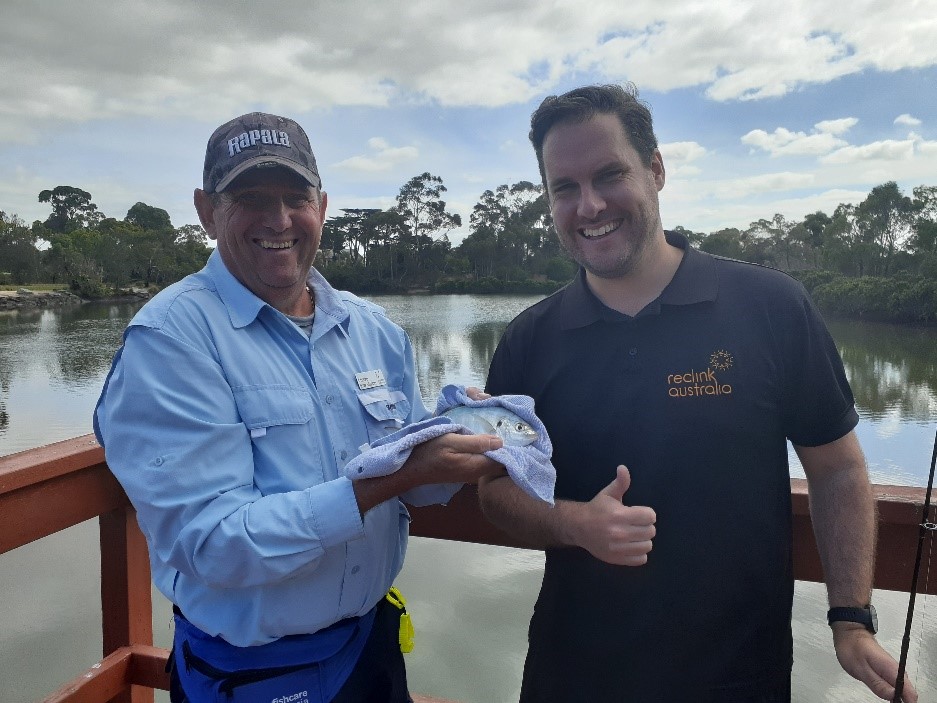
(244, 306)
(694, 282)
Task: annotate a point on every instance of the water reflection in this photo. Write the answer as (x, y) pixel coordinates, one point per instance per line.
(471, 603)
(892, 369)
(52, 365)
(453, 336)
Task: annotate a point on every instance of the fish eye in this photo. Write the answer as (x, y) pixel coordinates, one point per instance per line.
(519, 427)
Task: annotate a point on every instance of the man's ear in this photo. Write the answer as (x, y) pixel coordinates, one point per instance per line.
(206, 211)
(657, 168)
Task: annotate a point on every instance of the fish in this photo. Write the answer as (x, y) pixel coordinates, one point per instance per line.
(496, 420)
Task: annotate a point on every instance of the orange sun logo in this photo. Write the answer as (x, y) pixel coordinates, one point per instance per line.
(721, 360)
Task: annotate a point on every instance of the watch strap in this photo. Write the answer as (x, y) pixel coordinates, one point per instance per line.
(863, 616)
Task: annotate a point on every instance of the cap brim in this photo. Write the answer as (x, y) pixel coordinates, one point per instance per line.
(309, 176)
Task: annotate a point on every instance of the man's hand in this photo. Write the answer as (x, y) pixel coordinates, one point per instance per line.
(452, 458)
(476, 393)
(449, 458)
(863, 658)
(610, 531)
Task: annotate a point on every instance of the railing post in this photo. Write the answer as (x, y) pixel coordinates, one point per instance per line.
(126, 601)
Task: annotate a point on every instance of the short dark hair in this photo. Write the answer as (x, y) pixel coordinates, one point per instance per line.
(581, 104)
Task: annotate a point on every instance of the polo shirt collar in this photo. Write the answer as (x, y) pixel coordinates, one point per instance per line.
(243, 306)
(694, 282)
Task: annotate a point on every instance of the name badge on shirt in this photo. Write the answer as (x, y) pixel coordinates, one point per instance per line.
(370, 379)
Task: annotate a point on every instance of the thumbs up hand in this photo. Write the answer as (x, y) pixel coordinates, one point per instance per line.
(613, 532)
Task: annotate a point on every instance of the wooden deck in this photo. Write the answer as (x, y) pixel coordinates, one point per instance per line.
(46, 490)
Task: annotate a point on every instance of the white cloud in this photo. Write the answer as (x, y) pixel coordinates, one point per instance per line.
(683, 152)
(210, 59)
(678, 157)
(783, 142)
(886, 150)
(385, 157)
(763, 183)
(444, 84)
(927, 149)
(836, 126)
(908, 120)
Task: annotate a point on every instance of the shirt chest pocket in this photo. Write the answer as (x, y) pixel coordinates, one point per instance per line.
(270, 408)
(385, 411)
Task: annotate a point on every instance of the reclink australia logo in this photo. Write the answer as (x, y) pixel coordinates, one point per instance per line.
(712, 381)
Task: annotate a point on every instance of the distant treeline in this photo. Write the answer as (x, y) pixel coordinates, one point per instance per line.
(877, 259)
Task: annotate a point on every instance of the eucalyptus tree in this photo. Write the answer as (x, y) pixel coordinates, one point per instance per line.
(884, 221)
(72, 209)
(19, 257)
(152, 239)
(423, 210)
(510, 229)
(811, 232)
(724, 242)
(924, 206)
(386, 258)
(353, 230)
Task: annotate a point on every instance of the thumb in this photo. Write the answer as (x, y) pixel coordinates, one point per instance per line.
(617, 488)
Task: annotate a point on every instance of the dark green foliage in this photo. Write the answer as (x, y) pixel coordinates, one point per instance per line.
(898, 299)
(876, 260)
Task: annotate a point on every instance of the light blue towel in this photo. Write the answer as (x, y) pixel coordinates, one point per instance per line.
(529, 466)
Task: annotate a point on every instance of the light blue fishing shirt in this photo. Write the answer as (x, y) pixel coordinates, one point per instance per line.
(229, 428)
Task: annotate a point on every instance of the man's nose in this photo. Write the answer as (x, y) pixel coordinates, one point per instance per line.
(277, 215)
(591, 202)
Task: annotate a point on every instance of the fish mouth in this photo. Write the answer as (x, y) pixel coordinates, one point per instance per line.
(601, 231)
(268, 244)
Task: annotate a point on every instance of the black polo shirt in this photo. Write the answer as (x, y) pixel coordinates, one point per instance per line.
(696, 395)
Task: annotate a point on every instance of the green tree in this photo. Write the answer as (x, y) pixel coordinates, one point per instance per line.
(148, 218)
(511, 234)
(386, 258)
(420, 204)
(74, 257)
(924, 208)
(71, 209)
(19, 257)
(694, 238)
(845, 250)
(152, 239)
(811, 232)
(725, 242)
(884, 223)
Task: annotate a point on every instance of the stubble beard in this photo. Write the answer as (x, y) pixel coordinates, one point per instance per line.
(623, 264)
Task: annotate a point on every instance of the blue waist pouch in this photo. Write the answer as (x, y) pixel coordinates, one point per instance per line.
(293, 669)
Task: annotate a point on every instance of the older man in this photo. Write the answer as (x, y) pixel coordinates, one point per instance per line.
(237, 398)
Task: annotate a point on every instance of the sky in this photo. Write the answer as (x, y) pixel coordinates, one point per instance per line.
(759, 107)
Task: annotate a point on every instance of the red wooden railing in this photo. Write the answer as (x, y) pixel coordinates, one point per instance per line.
(46, 490)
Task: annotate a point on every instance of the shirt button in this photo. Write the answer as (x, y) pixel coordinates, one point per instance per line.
(355, 569)
(344, 454)
(328, 399)
(633, 351)
(159, 461)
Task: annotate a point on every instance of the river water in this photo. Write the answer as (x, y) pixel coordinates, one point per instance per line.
(470, 603)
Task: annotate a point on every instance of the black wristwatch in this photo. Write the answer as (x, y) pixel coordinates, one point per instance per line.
(864, 616)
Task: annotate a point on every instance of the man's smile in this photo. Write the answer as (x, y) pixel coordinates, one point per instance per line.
(265, 244)
(600, 231)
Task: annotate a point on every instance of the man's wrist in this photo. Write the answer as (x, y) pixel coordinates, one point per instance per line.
(847, 618)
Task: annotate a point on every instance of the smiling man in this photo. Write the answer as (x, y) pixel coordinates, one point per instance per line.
(670, 382)
(238, 396)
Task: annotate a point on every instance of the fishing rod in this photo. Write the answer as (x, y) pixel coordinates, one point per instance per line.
(925, 527)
